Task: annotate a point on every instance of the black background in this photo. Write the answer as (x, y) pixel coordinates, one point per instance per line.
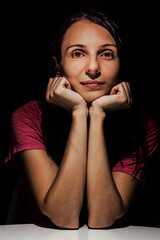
(26, 34)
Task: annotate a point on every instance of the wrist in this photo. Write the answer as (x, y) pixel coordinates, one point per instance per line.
(80, 113)
(96, 113)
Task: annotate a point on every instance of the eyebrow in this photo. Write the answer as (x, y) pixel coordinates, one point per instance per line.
(84, 46)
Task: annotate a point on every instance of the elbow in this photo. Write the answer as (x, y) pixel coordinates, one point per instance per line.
(105, 220)
(100, 223)
(59, 219)
(62, 223)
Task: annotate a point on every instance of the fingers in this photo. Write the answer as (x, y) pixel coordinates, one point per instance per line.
(63, 82)
(52, 83)
(55, 85)
(127, 88)
(128, 91)
(123, 90)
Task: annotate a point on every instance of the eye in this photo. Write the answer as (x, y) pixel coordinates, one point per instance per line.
(108, 55)
(77, 54)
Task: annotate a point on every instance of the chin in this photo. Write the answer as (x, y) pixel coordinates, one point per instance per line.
(90, 98)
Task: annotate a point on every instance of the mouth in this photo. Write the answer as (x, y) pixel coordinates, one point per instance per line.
(92, 84)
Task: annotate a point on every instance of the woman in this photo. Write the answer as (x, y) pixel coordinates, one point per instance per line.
(86, 140)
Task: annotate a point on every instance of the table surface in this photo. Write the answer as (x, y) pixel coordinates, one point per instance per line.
(32, 232)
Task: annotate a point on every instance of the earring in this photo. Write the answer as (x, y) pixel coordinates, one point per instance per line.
(57, 73)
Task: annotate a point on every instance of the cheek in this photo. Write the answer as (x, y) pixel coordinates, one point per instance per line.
(111, 75)
(72, 69)
(112, 71)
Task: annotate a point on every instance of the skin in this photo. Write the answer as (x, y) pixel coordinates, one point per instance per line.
(82, 63)
(89, 52)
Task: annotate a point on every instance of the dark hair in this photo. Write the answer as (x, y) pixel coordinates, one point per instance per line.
(123, 136)
(95, 17)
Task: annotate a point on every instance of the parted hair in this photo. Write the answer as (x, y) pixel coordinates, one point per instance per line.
(123, 129)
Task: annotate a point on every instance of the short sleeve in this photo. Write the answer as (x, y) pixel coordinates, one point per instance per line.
(26, 131)
(152, 138)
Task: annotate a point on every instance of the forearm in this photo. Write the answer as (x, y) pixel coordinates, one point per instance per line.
(64, 199)
(104, 201)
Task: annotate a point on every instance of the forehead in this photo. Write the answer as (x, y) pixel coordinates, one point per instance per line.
(86, 32)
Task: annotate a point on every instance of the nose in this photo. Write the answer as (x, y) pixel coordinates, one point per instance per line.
(93, 69)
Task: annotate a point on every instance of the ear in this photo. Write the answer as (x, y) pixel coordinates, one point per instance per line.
(56, 65)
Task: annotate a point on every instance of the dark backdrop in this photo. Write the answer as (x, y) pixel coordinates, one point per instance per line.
(27, 32)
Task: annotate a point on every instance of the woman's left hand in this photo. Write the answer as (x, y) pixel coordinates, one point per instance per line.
(119, 98)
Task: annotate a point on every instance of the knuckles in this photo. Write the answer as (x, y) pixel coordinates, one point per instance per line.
(126, 102)
(52, 94)
(57, 92)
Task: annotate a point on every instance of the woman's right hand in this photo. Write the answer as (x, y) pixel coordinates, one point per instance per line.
(59, 93)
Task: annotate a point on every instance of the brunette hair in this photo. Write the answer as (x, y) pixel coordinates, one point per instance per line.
(123, 129)
(93, 16)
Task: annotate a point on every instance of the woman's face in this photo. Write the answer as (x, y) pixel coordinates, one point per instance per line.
(89, 59)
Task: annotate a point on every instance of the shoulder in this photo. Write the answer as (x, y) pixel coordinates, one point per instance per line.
(30, 112)
(33, 107)
(151, 126)
(149, 121)
(27, 120)
(151, 132)
(26, 130)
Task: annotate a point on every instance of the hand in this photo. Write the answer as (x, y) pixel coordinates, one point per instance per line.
(59, 93)
(119, 98)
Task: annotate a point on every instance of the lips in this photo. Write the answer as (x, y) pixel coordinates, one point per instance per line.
(92, 82)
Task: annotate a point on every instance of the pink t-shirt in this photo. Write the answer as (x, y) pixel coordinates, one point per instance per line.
(26, 131)
(27, 134)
